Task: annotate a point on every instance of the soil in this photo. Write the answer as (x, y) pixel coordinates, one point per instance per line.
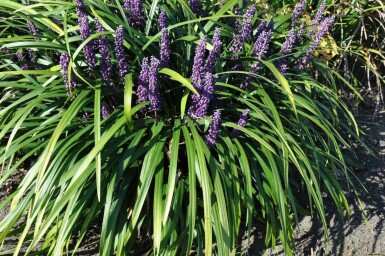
(364, 233)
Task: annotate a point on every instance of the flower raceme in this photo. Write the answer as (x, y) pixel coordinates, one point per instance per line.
(164, 40)
(120, 53)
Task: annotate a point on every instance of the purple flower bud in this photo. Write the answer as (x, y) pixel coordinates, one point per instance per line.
(286, 49)
(31, 55)
(262, 27)
(163, 19)
(300, 33)
(214, 53)
(106, 110)
(79, 3)
(247, 23)
(241, 122)
(80, 10)
(32, 28)
(195, 7)
(120, 53)
(282, 66)
(164, 48)
(19, 56)
(317, 19)
(153, 88)
(198, 66)
(261, 46)
(199, 110)
(142, 91)
(245, 32)
(297, 12)
(323, 28)
(287, 46)
(64, 63)
(135, 9)
(88, 49)
(212, 136)
(237, 24)
(318, 16)
(105, 58)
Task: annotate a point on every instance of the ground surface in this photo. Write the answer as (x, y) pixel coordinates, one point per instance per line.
(353, 237)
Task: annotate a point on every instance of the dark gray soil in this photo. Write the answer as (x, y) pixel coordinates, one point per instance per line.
(356, 236)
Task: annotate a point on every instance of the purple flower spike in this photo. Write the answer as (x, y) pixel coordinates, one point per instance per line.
(241, 122)
(198, 66)
(212, 136)
(163, 19)
(317, 19)
(64, 63)
(297, 12)
(205, 97)
(247, 23)
(195, 7)
(244, 34)
(105, 58)
(165, 48)
(323, 28)
(287, 46)
(120, 53)
(153, 88)
(32, 28)
(260, 48)
(262, 27)
(142, 91)
(135, 9)
(286, 49)
(300, 33)
(164, 40)
(106, 111)
(80, 3)
(214, 53)
(88, 49)
(318, 16)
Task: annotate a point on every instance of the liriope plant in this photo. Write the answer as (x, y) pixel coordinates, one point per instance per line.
(182, 122)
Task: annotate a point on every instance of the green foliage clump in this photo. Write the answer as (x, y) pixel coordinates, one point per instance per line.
(183, 152)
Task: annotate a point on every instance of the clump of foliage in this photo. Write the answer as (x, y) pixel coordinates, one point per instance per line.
(184, 121)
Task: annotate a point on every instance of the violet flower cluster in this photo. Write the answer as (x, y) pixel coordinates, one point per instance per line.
(106, 111)
(153, 88)
(88, 49)
(261, 46)
(142, 91)
(245, 31)
(297, 12)
(165, 49)
(135, 9)
(213, 133)
(323, 28)
(69, 82)
(32, 28)
(286, 49)
(317, 19)
(120, 53)
(195, 7)
(202, 76)
(214, 53)
(148, 88)
(241, 122)
(105, 58)
(206, 95)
